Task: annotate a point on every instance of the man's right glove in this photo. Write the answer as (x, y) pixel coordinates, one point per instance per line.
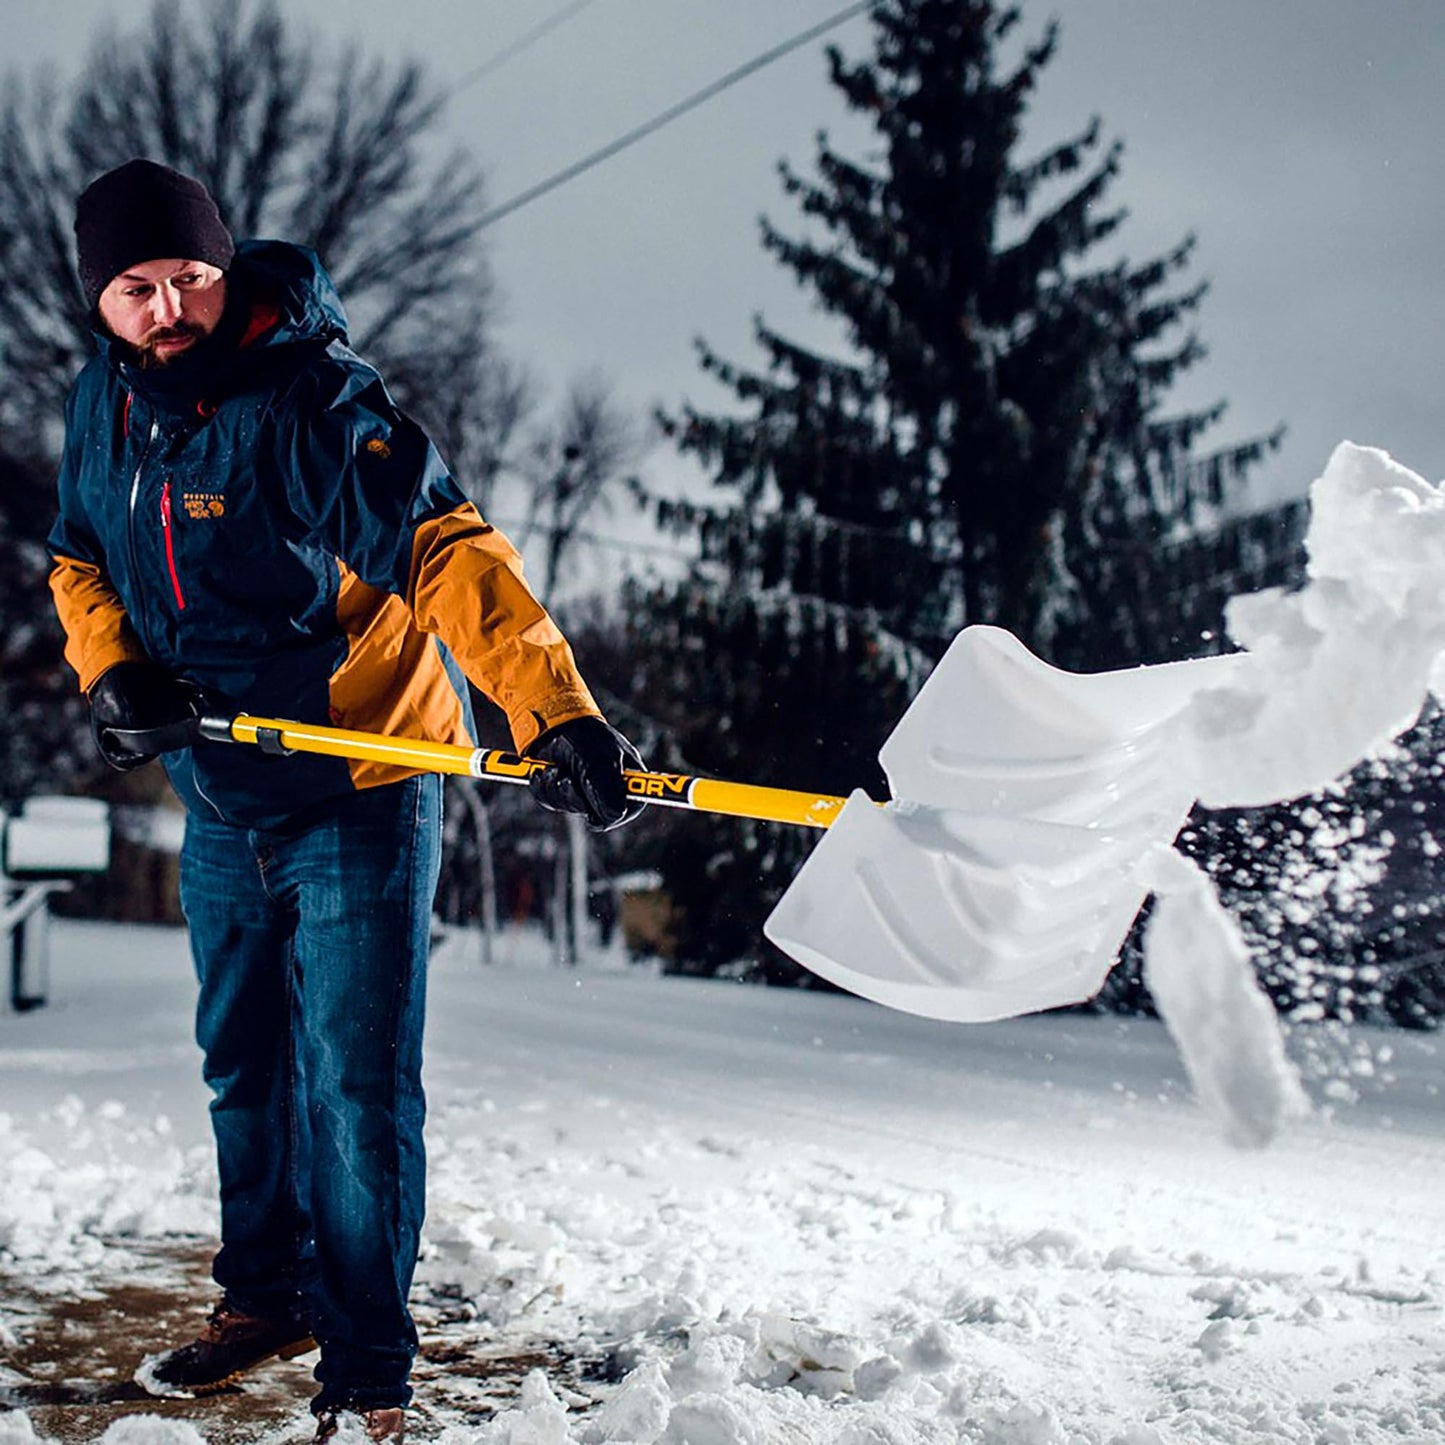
(587, 757)
(136, 695)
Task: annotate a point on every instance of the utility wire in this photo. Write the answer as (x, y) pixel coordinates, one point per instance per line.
(507, 52)
(669, 115)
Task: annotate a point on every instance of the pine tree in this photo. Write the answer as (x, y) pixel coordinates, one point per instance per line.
(985, 444)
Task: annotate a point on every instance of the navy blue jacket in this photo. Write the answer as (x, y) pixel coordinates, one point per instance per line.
(260, 518)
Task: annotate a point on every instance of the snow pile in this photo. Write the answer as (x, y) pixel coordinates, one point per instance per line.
(736, 1216)
(748, 1384)
(151, 1430)
(87, 1175)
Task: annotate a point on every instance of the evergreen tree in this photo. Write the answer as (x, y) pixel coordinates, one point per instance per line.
(994, 428)
(985, 444)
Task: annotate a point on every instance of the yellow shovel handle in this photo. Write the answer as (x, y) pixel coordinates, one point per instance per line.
(672, 790)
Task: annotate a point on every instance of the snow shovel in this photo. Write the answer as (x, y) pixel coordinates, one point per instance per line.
(1000, 880)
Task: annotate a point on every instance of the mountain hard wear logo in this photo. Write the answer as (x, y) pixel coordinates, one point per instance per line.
(204, 506)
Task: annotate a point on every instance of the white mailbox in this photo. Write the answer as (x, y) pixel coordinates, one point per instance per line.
(42, 848)
(57, 838)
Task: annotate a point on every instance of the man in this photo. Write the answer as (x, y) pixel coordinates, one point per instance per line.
(245, 515)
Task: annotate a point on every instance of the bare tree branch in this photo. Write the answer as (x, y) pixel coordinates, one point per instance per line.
(575, 469)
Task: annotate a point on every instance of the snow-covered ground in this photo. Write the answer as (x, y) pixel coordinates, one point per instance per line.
(673, 1212)
(746, 1216)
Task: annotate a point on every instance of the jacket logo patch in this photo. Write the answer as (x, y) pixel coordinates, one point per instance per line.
(203, 506)
(378, 448)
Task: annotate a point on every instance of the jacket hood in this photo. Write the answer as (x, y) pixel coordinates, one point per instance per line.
(282, 284)
(293, 279)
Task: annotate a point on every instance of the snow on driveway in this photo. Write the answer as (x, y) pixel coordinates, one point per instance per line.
(785, 1216)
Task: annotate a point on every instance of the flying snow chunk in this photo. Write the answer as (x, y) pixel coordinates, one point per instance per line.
(1332, 671)
(1198, 970)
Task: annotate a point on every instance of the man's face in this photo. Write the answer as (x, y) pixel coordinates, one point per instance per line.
(163, 308)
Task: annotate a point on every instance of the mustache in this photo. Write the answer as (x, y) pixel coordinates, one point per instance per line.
(147, 355)
(179, 331)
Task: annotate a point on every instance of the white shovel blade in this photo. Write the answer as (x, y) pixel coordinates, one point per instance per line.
(1005, 877)
(996, 729)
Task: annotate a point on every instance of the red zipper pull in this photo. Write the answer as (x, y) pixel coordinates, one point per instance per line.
(171, 546)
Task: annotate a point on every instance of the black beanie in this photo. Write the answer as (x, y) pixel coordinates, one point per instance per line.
(142, 211)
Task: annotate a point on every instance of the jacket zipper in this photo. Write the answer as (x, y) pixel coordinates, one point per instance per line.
(131, 511)
(171, 546)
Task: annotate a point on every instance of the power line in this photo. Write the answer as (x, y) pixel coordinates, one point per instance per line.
(507, 52)
(669, 115)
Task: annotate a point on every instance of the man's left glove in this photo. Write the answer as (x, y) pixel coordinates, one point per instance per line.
(136, 695)
(587, 757)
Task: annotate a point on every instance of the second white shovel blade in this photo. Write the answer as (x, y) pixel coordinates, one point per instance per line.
(959, 916)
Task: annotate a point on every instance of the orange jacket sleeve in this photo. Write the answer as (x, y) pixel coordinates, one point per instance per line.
(369, 483)
(98, 633)
(467, 587)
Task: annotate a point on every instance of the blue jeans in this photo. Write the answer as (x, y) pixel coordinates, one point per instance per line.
(310, 945)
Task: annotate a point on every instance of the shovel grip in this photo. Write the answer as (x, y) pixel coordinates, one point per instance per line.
(167, 738)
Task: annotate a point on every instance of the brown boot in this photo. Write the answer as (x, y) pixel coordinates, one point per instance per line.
(230, 1344)
(385, 1426)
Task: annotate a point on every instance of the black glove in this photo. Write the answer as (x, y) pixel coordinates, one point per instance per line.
(587, 757)
(136, 695)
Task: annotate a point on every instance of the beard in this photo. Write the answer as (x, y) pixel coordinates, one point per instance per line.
(148, 359)
(145, 356)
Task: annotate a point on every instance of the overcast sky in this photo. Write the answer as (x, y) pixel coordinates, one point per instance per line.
(1299, 139)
